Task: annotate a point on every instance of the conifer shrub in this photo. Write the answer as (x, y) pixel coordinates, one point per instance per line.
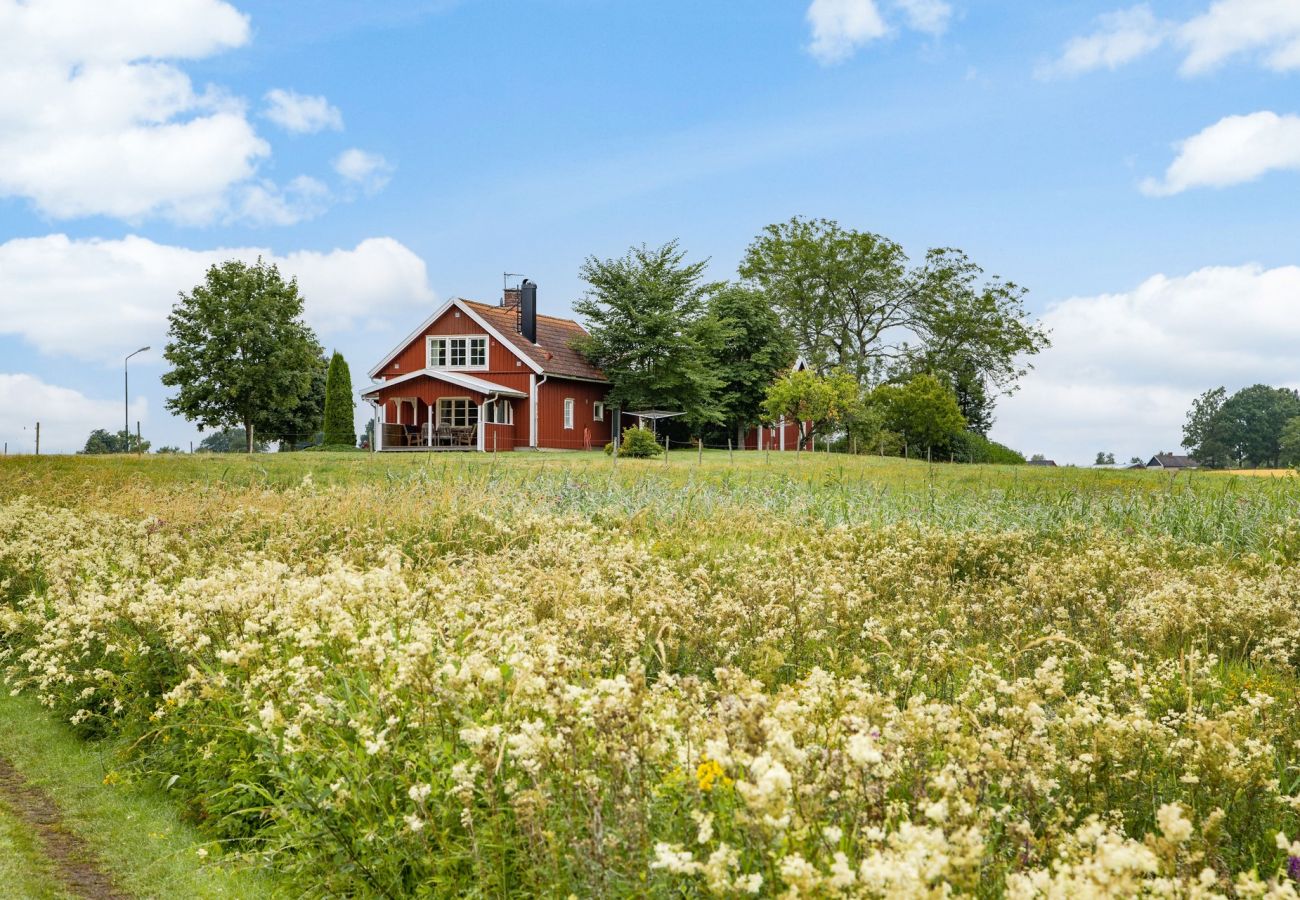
(339, 405)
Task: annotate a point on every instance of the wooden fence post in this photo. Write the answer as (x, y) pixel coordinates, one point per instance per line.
(667, 441)
(38, 438)
(731, 457)
(139, 447)
(699, 459)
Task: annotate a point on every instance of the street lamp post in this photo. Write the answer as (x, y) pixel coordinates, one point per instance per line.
(126, 400)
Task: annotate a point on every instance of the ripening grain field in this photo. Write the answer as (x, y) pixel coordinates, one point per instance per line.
(800, 677)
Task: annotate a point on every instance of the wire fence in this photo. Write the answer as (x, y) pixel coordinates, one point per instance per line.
(494, 439)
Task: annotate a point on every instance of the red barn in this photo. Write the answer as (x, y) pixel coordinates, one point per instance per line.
(475, 376)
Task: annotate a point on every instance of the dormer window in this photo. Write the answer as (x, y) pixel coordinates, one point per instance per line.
(468, 352)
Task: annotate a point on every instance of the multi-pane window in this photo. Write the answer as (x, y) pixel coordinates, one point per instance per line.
(499, 412)
(568, 412)
(458, 353)
(598, 411)
(457, 412)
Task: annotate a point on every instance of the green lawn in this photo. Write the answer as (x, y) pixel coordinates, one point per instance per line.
(135, 828)
(24, 872)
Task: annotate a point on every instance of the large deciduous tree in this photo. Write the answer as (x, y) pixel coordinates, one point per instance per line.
(973, 333)
(300, 426)
(817, 403)
(1204, 436)
(1290, 442)
(853, 301)
(240, 353)
(924, 410)
(752, 349)
(1254, 417)
(650, 331)
(842, 293)
(1245, 428)
(103, 441)
(340, 406)
(229, 440)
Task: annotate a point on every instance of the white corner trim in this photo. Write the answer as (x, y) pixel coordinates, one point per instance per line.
(532, 410)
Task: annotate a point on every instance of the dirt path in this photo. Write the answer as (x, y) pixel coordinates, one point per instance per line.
(70, 858)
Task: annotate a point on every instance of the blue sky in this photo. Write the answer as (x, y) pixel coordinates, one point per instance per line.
(1136, 167)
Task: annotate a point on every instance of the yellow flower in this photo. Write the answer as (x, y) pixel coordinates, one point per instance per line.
(709, 773)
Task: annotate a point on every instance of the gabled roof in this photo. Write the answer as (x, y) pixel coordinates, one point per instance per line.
(459, 379)
(553, 352)
(1173, 461)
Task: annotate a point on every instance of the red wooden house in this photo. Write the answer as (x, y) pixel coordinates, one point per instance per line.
(476, 376)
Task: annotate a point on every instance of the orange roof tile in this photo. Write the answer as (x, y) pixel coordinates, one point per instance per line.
(555, 336)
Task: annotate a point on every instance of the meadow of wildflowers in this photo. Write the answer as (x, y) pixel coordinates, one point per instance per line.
(818, 680)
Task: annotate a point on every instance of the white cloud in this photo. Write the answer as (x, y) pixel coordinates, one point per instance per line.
(1123, 368)
(1232, 27)
(928, 16)
(301, 113)
(265, 203)
(1234, 150)
(369, 170)
(93, 121)
(1268, 29)
(98, 299)
(1120, 38)
(839, 27)
(97, 118)
(66, 416)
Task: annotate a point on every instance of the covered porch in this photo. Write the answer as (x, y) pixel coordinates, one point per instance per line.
(432, 410)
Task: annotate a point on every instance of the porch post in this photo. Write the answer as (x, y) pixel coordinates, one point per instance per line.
(481, 426)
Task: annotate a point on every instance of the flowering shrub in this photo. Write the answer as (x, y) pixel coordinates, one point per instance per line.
(543, 701)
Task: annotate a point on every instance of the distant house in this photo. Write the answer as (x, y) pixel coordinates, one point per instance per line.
(1172, 461)
(781, 435)
(1042, 462)
(475, 376)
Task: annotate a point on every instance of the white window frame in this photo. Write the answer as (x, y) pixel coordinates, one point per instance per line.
(469, 405)
(440, 351)
(568, 413)
(598, 411)
(499, 412)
